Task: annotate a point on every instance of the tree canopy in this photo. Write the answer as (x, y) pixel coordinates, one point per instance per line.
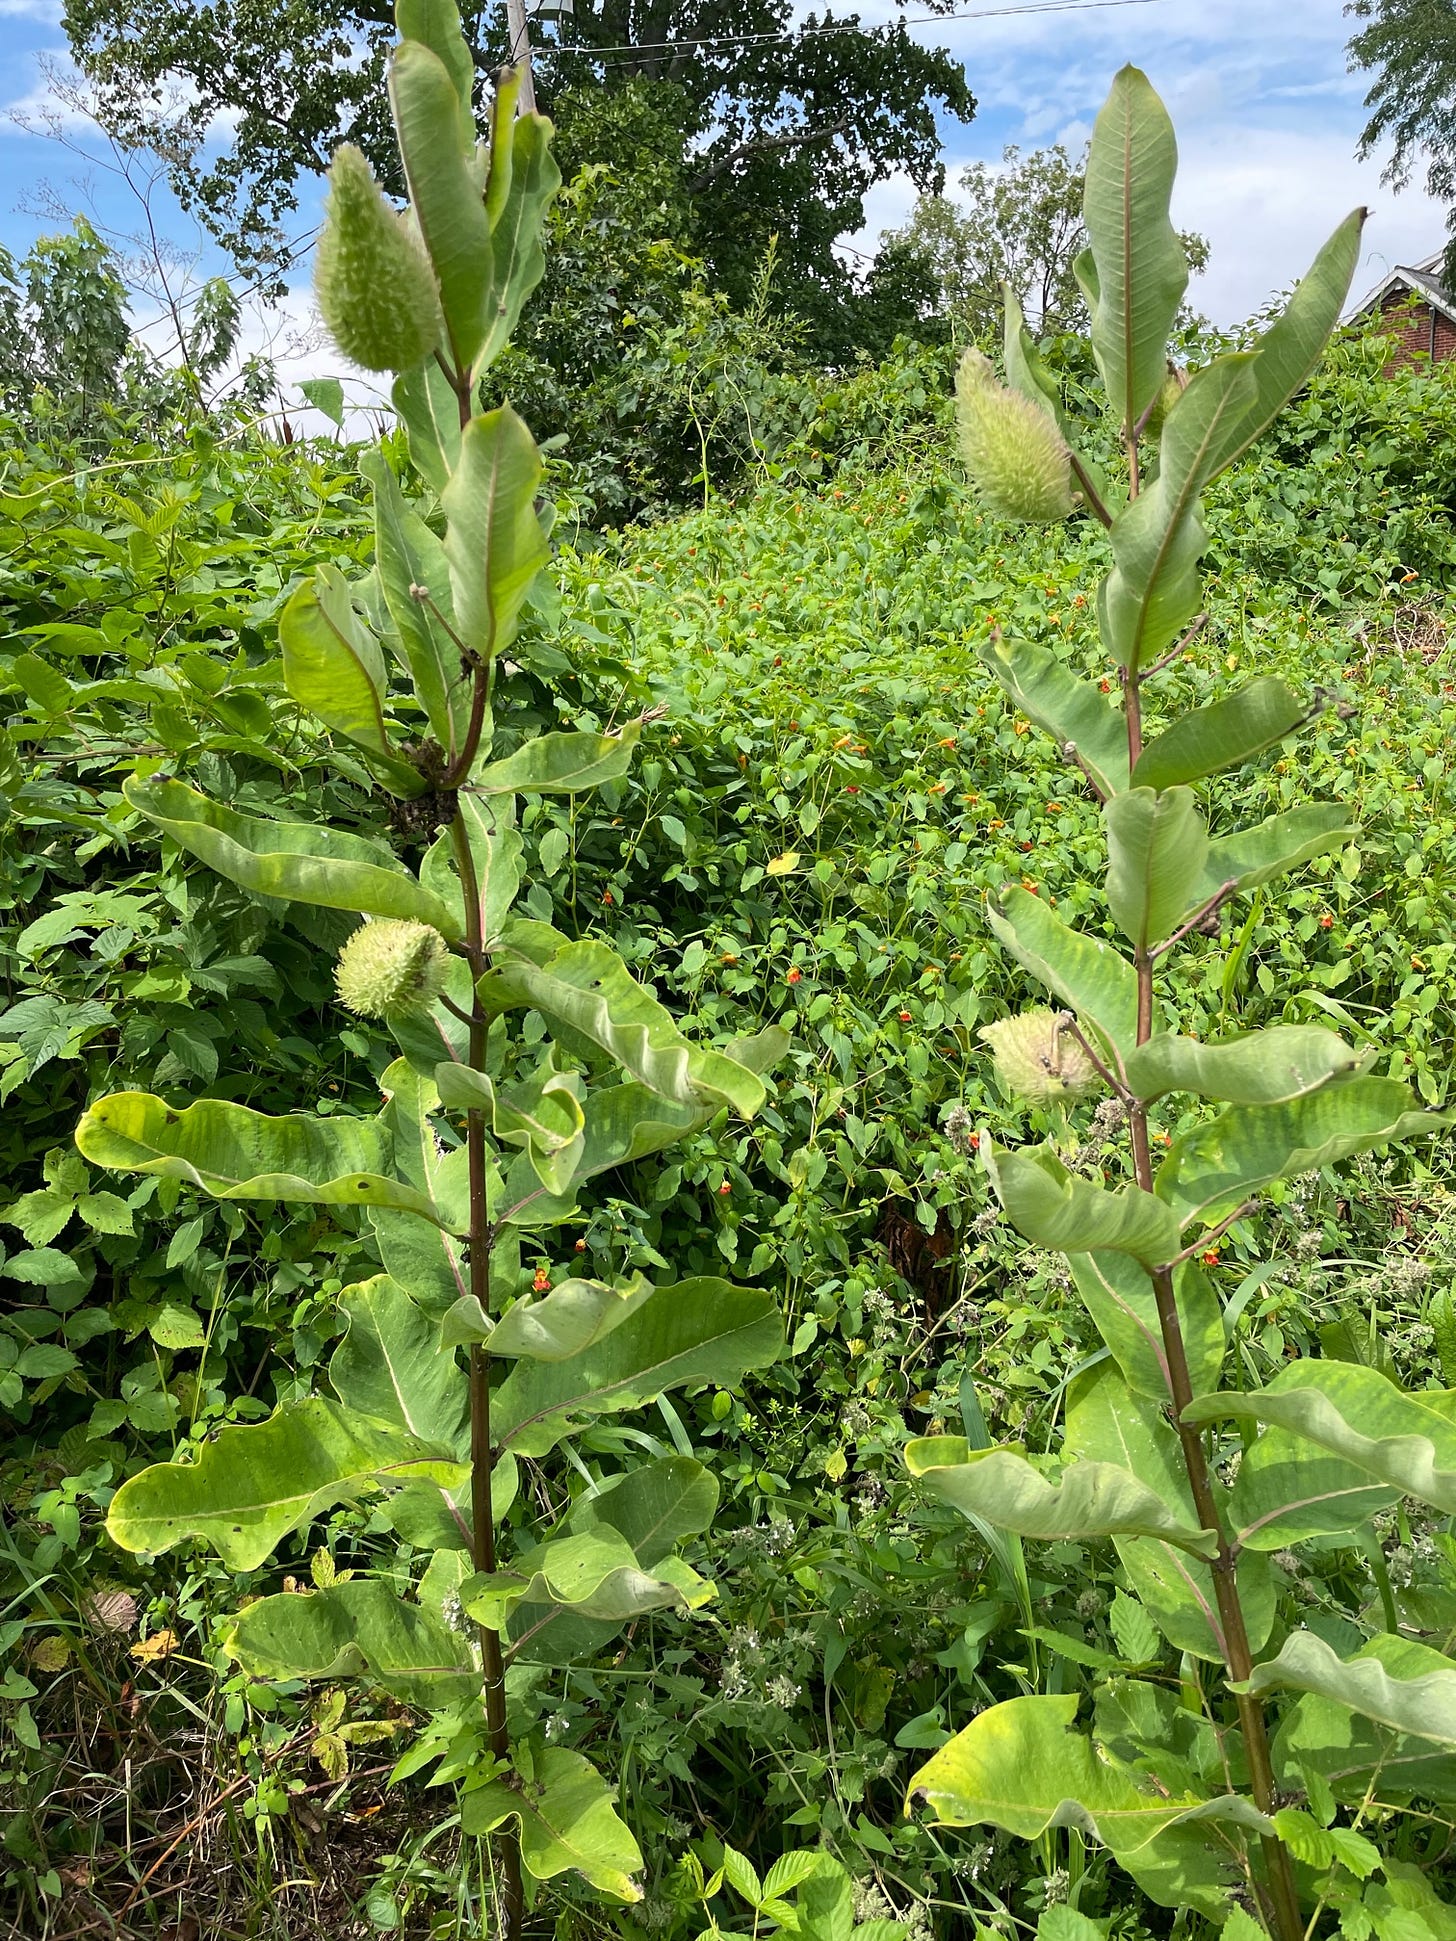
(1410, 47)
(783, 128)
(1019, 223)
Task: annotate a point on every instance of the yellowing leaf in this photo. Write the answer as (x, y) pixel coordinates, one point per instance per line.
(783, 865)
(161, 1644)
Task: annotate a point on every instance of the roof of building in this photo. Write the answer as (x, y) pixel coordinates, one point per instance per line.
(1415, 279)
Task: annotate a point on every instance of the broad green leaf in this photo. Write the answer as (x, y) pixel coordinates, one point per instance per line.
(593, 1574)
(570, 1318)
(293, 860)
(429, 409)
(1054, 1208)
(1080, 1499)
(408, 554)
(653, 1507)
(496, 850)
(1107, 1422)
(1139, 267)
(1118, 1294)
(1026, 369)
(355, 1629)
(1221, 735)
(390, 1367)
(543, 1116)
(427, 1261)
(567, 1821)
(1153, 590)
(560, 764)
(1091, 976)
(695, 1331)
(234, 1153)
(495, 543)
(332, 665)
(249, 1487)
(437, 24)
(1348, 1749)
(444, 194)
(1254, 856)
(516, 221)
(1290, 348)
(1156, 844)
(1020, 1766)
(1286, 1491)
(1071, 710)
(1359, 1415)
(1209, 1170)
(587, 987)
(1267, 1067)
(1424, 1706)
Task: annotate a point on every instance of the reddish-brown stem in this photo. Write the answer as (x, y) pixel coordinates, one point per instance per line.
(1089, 491)
(1279, 1888)
(482, 1453)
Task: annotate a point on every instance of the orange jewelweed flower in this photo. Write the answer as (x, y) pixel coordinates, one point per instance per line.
(542, 1280)
(794, 975)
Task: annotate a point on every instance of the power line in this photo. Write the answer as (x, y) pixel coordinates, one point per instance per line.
(708, 42)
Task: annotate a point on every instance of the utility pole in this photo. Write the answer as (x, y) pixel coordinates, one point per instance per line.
(521, 55)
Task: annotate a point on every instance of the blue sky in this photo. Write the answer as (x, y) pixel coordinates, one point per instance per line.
(1267, 119)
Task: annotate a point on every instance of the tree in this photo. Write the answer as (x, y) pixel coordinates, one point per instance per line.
(1020, 224)
(1410, 46)
(783, 130)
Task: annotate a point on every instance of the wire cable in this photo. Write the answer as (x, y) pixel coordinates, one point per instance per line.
(707, 42)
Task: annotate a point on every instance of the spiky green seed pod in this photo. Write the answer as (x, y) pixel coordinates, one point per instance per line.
(392, 969)
(1039, 1059)
(1014, 453)
(375, 289)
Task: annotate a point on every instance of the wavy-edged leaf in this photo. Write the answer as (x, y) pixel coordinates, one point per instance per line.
(1091, 976)
(1153, 589)
(390, 1366)
(1020, 1766)
(1082, 1499)
(355, 1629)
(570, 1318)
(1267, 1067)
(1220, 736)
(1071, 710)
(250, 1486)
(495, 543)
(567, 1823)
(1118, 1294)
(1156, 846)
(587, 987)
(1286, 1491)
(234, 1153)
(293, 860)
(561, 764)
(435, 144)
(408, 554)
(427, 1261)
(1208, 1171)
(592, 1574)
(1250, 857)
(1290, 348)
(1107, 1422)
(1355, 1413)
(702, 1330)
(1424, 1706)
(1139, 268)
(332, 665)
(543, 1116)
(1054, 1208)
(1348, 1749)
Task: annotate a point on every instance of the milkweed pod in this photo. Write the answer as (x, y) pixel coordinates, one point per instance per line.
(1015, 455)
(1038, 1059)
(375, 289)
(393, 968)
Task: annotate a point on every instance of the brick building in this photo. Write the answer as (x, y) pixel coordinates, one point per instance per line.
(1422, 311)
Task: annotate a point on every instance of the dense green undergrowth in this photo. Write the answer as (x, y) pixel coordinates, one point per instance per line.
(808, 837)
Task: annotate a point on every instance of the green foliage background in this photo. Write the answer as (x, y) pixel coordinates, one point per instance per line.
(809, 836)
